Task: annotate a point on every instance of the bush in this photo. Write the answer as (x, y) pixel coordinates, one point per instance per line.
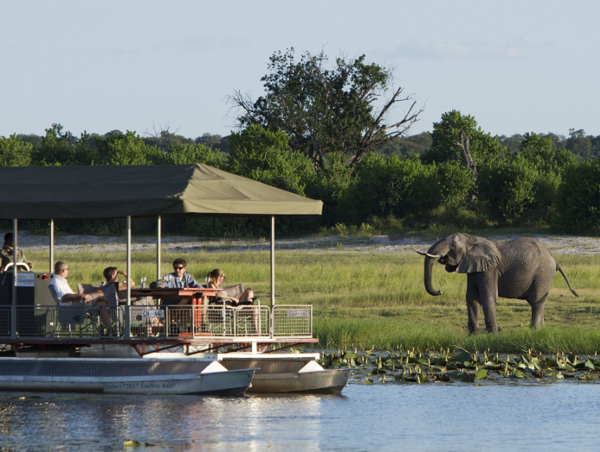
(507, 188)
(578, 200)
(404, 188)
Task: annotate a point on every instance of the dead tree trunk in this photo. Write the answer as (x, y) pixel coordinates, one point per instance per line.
(467, 160)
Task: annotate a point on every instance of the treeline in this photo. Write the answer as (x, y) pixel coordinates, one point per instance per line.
(416, 182)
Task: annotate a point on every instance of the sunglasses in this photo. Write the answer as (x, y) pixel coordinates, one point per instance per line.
(179, 268)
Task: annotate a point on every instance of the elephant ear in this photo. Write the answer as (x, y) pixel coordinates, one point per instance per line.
(482, 255)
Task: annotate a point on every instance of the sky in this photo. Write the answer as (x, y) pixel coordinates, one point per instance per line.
(145, 66)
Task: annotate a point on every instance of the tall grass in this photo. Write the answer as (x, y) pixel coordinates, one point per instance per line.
(378, 300)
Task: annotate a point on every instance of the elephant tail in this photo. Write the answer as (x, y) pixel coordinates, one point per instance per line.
(565, 276)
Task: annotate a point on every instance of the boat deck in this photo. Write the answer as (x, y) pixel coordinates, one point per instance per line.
(150, 329)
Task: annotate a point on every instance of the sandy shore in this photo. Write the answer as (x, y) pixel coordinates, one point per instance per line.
(558, 244)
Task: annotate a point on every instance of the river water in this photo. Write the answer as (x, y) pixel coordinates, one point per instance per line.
(431, 417)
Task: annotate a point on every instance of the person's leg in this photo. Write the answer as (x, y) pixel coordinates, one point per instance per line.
(247, 296)
(102, 305)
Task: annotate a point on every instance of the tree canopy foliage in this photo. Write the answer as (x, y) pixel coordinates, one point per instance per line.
(529, 179)
(328, 110)
(337, 131)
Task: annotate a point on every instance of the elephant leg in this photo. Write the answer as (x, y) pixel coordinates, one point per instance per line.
(473, 306)
(489, 313)
(488, 296)
(537, 312)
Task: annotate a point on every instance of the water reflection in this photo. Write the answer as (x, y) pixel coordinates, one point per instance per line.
(385, 417)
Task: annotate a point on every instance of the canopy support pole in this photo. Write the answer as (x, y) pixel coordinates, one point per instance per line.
(51, 247)
(126, 326)
(158, 246)
(272, 272)
(13, 308)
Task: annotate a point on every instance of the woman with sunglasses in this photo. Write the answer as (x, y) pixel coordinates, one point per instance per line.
(215, 280)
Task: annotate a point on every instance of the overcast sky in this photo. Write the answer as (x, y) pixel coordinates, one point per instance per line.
(516, 66)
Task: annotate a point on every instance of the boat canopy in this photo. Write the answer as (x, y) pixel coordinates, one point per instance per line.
(77, 192)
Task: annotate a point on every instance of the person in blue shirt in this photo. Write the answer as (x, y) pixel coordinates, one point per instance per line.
(179, 279)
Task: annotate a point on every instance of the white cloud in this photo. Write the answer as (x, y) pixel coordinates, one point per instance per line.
(460, 50)
(203, 44)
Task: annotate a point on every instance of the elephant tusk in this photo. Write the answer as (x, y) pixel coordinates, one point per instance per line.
(423, 253)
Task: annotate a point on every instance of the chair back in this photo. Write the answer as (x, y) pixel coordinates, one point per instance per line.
(111, 294)
(54, 294)
(87, 288)
(234, 291)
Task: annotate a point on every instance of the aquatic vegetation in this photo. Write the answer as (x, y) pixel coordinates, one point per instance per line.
(412, 366)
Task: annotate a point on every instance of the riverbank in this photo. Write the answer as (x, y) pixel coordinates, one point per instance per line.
(384, 244)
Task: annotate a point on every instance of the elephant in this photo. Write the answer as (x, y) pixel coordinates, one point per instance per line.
(522, 268)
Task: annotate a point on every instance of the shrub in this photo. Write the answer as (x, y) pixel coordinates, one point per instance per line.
(578, 200)
(506, 187)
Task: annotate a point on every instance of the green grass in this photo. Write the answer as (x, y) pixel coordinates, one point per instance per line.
(378, 300)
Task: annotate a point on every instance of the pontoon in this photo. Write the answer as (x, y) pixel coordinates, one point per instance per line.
(31, 324)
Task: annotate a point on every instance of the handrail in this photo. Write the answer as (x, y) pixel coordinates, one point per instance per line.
(170, 322)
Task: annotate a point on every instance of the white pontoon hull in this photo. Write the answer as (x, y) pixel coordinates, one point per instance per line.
(122, 376)
(283, 373)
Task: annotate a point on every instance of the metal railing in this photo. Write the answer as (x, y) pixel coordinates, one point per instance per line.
(292, 321)
(183, 322)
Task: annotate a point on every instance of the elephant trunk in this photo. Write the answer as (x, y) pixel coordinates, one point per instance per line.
(429, 261)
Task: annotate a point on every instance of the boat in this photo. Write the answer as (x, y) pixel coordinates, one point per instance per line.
(255, 337)
(123, 376)
(279, 372)
(288, 373)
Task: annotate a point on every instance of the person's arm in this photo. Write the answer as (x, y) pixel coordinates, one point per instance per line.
(70, 297)
(123, 286)
(189, 281)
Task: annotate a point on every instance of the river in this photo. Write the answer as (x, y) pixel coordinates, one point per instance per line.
(431, 417)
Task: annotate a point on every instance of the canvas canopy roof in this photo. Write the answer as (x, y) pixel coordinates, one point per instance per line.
(75, 192)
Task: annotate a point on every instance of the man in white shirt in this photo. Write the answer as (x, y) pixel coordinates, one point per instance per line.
(65, 295)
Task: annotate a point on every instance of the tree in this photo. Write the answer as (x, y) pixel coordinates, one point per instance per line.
(57, 148)
(579, 144)
(579, 198)
(326, 111)
(540, 151)
(126, 149)
(266, 157)
(403, 188)
(550, 163)
(507, 187)
(459, 138)
(407, 146)
(15, 152)
(183, 154)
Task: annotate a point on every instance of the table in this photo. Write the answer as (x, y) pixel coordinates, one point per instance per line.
(197, 295)
(194, 293)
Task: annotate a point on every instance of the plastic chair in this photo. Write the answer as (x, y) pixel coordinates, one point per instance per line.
(234, 319)
(76, 317)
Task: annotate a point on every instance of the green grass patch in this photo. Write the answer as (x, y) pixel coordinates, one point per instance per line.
(370, 299)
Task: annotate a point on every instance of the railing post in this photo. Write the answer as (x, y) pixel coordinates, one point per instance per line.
(128, 278)
(13, 309)
(272, 309)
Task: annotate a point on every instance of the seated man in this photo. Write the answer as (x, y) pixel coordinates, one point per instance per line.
(111, 275)
(66, 296)
(6, 252)
(179, 279)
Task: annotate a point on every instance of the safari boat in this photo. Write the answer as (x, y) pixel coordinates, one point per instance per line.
(241, 340)
(123, 376)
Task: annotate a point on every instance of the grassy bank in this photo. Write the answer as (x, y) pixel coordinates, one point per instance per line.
(374, 300)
